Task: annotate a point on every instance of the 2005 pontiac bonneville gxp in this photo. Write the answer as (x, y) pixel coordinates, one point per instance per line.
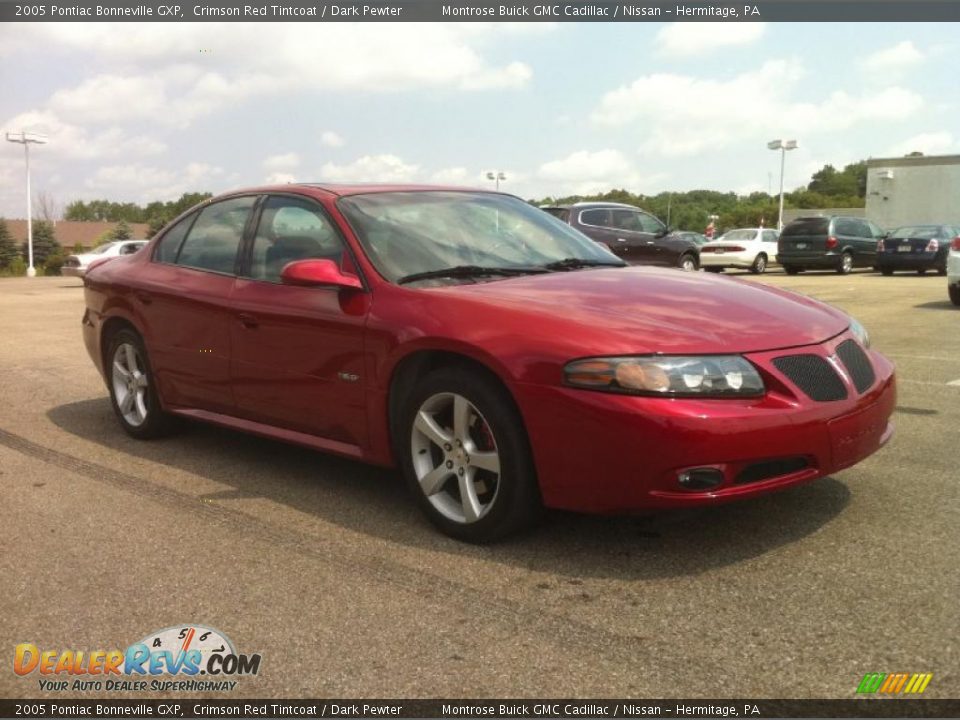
(503, 360)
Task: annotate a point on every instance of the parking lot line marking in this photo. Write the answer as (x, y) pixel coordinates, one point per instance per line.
(923, 357)
(955, 383)
(952, 383)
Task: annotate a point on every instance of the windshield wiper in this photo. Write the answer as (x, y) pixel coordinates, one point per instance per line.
(572, 263)
(470, 271)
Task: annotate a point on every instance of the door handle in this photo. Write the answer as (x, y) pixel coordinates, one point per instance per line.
(248, 321)
(143, 297)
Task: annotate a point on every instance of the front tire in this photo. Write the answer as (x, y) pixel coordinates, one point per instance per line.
(886, 271)
(133, 389)
(792, 269)
(466, 457)
(954, 291)
(759, 264)
(688, 262)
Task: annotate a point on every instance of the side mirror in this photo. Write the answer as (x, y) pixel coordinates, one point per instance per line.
(318, 273)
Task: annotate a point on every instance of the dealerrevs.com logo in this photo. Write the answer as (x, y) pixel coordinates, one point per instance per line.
(189, 658)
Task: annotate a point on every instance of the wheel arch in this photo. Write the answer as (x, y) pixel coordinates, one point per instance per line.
(418, 363)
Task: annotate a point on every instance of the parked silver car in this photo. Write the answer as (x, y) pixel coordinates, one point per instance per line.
(76, 265)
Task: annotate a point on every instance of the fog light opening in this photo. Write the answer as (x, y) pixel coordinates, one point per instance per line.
(699, 478)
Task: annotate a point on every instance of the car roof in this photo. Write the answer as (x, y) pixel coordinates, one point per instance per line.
(344, 189)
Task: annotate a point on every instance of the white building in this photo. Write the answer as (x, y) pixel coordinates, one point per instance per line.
(909, 190)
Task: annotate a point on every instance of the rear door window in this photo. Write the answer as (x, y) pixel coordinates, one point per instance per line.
(215, 237)
(599, 217)
(847, 228)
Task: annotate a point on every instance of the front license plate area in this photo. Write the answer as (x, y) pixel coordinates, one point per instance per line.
(853, 437)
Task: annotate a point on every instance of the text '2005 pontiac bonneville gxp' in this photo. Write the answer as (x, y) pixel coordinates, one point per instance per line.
(504, 361)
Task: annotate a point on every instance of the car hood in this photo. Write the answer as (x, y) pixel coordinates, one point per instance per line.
(644, 309)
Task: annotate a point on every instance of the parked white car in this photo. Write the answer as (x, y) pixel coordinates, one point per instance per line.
(953, 271)
(76, 265)
(750, 248)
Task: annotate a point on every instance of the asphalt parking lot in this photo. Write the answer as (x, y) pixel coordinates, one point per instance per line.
(325, 568)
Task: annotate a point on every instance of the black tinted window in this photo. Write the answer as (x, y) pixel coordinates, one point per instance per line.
(169, 244)
(596, 217)
(291, 229)
(214, 238)
(806, 226)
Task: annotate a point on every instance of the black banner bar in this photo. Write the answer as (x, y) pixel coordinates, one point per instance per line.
(461, 709)
(480, 11)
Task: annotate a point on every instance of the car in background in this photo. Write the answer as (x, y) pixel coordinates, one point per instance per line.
(502, 360)
(630, 233)
(76, 265)
(828, 242)
(750, 248)
(916, 247)
(953, 271)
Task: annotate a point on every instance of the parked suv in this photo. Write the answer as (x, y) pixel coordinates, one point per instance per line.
(630, 233)
(832, 242)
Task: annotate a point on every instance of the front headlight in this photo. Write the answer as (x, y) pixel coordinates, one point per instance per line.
(687, 376)
(860, 333)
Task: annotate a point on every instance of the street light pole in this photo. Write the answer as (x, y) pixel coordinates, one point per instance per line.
(497, 176)
(782, 146)
(25, 139)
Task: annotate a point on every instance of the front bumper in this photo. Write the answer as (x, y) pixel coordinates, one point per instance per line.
(600, 452)
(953, 268)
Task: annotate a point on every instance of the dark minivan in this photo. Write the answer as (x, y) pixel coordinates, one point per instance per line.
(631, 233)
(830, 242)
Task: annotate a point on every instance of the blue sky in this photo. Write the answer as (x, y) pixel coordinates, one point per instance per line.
(137, 112)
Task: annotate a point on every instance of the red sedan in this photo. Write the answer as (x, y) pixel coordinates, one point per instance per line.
(503, 360)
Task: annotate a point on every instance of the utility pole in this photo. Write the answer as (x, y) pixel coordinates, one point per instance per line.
(25, 139)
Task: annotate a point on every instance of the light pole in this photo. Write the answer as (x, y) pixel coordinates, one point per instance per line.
(25, 138)
(497, 176)
(782, 146)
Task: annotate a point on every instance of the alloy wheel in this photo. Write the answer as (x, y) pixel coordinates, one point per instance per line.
(455, 457)
(130, 384)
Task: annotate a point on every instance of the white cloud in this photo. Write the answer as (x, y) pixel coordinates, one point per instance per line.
(451, 176)
(286, 161)
(584, 172)
(935, 143)
(331, 139)
(138, 182)
(900, 57)
(688, 39)
(371, 168)
(692, 115)
(280, 178)
(67, 140)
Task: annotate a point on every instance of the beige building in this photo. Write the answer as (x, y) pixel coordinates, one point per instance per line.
(71, 232)
(908, 190)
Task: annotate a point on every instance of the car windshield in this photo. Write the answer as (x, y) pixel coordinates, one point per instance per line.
(100, 249)
(409, 233)
(807, 226)
(739, 235)
(923, 232)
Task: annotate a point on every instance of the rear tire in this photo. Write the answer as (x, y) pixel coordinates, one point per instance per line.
(886, 271)
(954, 291)
(942, 270)
(922, 271)
(466, 457)
(792, 269)
(759, 264)
(846, 263)
(133, 388)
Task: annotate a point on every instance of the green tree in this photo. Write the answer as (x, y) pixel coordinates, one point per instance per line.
(44, 243)
(122, 231)
(8, 247)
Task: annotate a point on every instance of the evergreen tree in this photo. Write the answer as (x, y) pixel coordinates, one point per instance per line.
(44, 243)
(8, 248)
(122, 231)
